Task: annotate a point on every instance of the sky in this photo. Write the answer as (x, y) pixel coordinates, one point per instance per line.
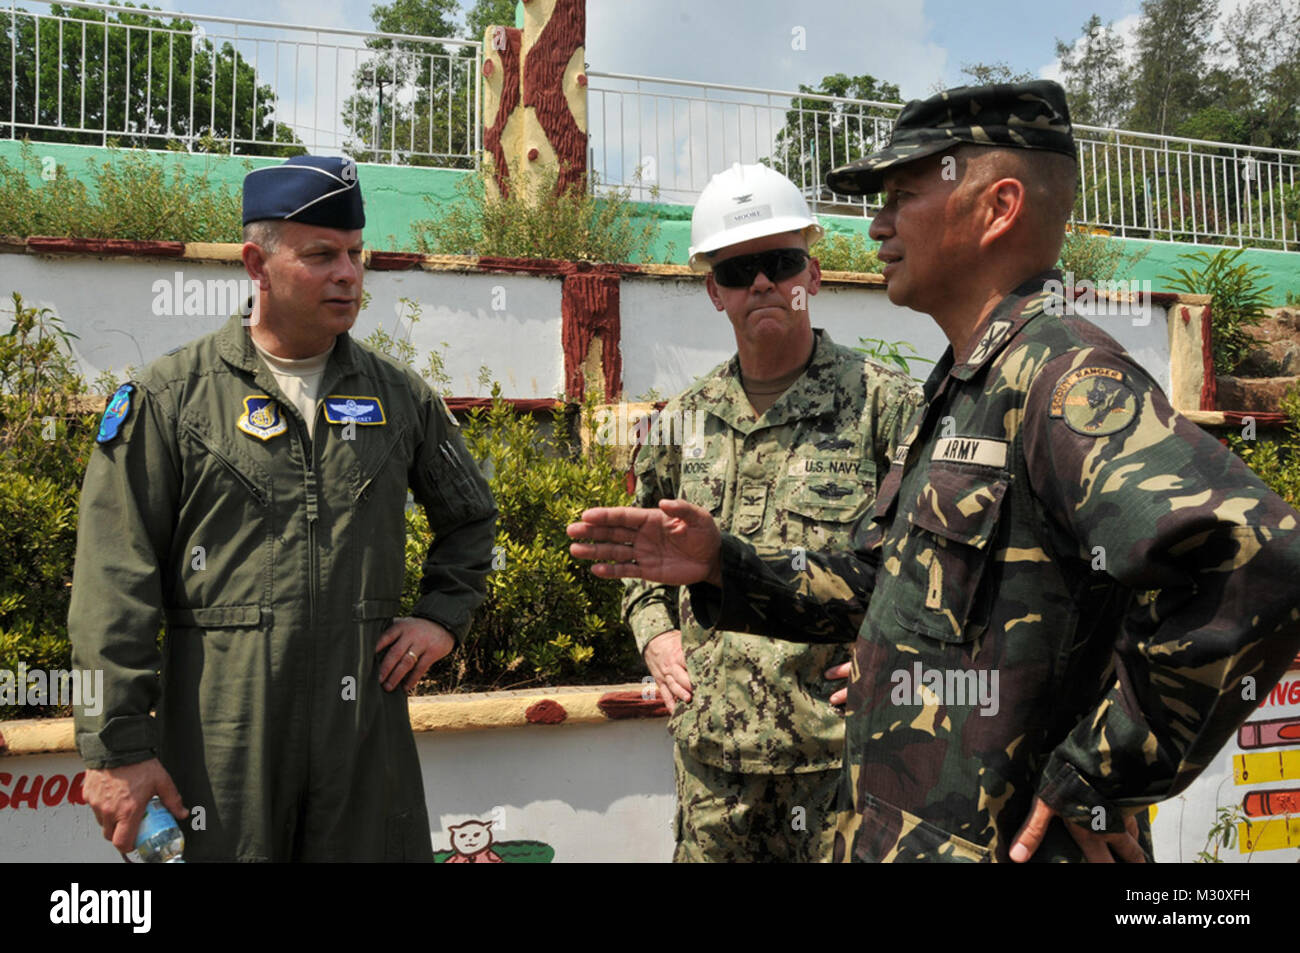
(920, 45)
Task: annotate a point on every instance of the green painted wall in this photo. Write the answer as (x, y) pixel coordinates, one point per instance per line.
(394, 194)
(395, 197)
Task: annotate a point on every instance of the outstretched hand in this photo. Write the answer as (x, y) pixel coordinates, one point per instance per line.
(677, 544)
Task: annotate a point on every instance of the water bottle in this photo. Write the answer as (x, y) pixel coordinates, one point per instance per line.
(160, 840)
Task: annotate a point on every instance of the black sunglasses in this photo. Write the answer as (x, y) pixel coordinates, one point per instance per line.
(778, 264)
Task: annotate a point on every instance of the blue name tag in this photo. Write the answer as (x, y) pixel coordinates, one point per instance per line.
(118, 409)
(343, 409)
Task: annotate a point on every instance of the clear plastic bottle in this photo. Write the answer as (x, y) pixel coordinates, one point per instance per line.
(160, 840)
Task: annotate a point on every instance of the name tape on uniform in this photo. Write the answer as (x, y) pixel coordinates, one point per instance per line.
(344, 409)
(981, 450)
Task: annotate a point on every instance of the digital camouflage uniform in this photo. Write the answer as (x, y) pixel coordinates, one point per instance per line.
(276, 562)
(1046, 490)
(759, 737)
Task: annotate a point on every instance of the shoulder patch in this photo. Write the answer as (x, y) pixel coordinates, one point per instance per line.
(118, 409)
(1094, 401)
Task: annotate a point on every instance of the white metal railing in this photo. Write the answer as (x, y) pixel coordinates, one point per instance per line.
(163, 80)
(667, 137)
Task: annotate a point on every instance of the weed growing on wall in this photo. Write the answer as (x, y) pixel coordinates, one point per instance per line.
(847, 251)
(575, 225)
(133, 195)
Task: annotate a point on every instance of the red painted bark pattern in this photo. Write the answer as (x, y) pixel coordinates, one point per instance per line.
(545, 712)
(394, 260)
(509, 102)
(564, 33)
(1209, 386)
(43, 244)
(618, 705)
(589, 308)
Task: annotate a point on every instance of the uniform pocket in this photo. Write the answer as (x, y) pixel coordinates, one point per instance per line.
(888, 834)
(948, 554)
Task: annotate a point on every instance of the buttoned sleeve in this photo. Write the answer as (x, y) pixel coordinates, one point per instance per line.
(462, 515)
(124, 530)
(1157, 504)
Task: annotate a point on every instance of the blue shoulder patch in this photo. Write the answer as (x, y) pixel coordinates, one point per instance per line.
(118, 409)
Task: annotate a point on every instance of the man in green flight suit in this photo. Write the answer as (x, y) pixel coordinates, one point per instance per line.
(783, 444)
(1069, 596)
(249, 490)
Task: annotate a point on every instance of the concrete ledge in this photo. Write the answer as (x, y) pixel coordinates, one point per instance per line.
(576, 705)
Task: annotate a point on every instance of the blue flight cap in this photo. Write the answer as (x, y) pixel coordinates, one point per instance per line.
(314, 190)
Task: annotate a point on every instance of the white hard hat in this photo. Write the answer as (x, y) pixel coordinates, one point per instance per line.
(745, 202)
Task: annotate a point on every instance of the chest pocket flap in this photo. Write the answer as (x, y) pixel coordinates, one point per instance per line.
(956, 514)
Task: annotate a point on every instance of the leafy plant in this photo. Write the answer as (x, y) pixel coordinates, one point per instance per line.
(1238, 301)
(1096, 258)
(46, 437)
(132, 196)
(1277, 462)
(1223, 835)
(891, 352)
(535, 222)
(546, 617)
(847, 251)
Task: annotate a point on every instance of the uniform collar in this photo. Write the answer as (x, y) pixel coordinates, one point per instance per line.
(1003, 323)
(236, 348)
(806, 397)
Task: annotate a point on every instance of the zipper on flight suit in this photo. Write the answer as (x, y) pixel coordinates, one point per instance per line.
(309, 481)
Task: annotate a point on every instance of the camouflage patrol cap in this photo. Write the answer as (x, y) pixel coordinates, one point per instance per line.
(1030, 115)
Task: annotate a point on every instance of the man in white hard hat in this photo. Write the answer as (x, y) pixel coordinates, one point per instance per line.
(796, 432)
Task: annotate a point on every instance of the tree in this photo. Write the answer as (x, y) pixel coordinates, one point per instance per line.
(1095, 75)
(1173, 51)
(1262, 84)
(412, 100)
(154, 88)
(488, 13)
(989, 74)
(819, 135)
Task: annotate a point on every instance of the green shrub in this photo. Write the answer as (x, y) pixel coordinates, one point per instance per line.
(575, 225)
(133, 197)
(847, 251)
(1096, 258)
(1237, 302)
(45, 442)
(1277, 462)
(546, 618)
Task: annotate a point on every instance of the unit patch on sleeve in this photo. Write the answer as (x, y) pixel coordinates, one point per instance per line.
(344, 409)
(1094, 401)
(118, 409)
(262, 417)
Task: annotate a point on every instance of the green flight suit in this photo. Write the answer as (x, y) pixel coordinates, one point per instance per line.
(275, 562)
(759, 720)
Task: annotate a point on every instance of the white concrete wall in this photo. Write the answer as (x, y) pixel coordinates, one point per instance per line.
(672, 334)
(508, 323)
(592, 792)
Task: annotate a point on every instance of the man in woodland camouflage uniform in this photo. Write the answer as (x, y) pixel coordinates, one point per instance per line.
(783, 444)
(1071, 596)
